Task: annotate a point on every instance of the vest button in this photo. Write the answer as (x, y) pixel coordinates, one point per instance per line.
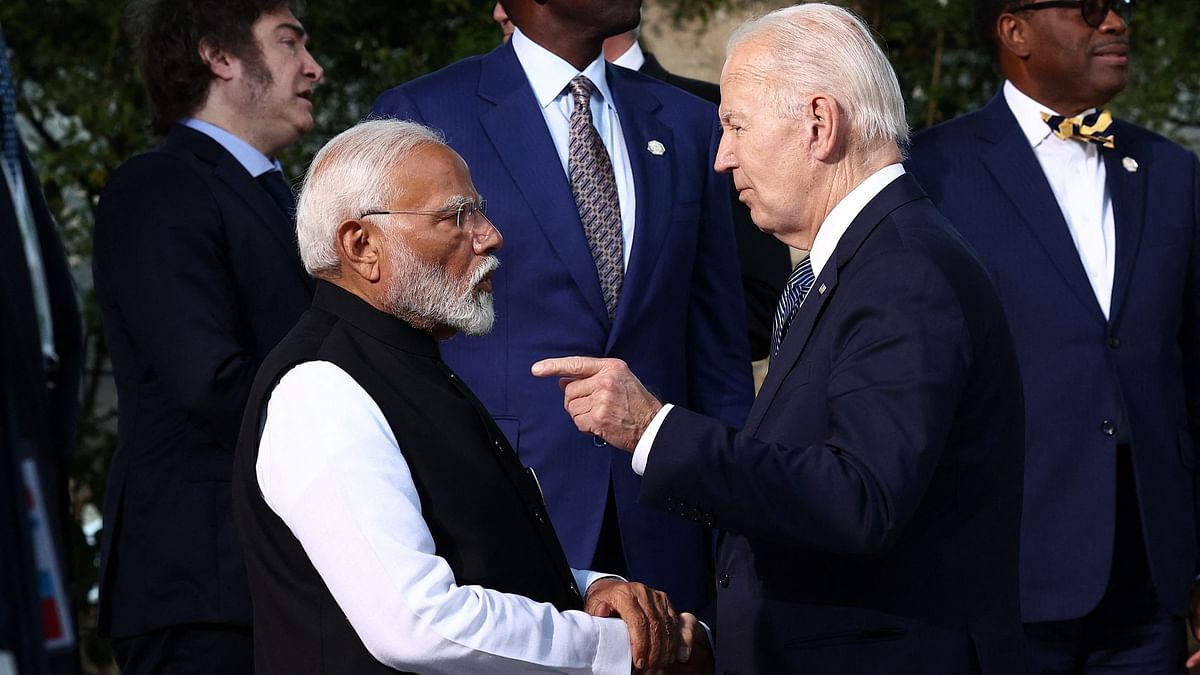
(723, 580)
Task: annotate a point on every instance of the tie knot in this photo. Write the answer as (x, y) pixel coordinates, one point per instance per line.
(1090, 128)
(581, 88)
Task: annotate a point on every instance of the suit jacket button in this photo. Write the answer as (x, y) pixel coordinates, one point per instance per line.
(708, 519)
(670, 503)
(723, 580)
(1114, 341)
(599, 442)
(1108, 428)
(695, 515)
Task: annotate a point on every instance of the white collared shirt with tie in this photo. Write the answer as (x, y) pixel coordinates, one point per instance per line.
(548, 74)
(1077, 177)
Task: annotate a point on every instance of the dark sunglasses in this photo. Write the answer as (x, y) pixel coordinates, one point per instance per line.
(1094, 11)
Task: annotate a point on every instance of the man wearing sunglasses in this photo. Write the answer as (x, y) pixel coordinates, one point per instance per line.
(1088, 225)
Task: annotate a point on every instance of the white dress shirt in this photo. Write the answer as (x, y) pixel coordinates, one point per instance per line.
(330, 467)
(549, 75)
(824, 244)
(1075, 171)
(633, 58)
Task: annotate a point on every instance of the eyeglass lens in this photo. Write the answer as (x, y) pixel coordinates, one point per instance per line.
(1095, 11)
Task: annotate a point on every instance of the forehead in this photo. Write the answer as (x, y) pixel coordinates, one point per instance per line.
(434, 174)
(280, 18)
(743, 78)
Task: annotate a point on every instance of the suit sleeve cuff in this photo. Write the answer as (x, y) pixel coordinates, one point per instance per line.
(641, 453)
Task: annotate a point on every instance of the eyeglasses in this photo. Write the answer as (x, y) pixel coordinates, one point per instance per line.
(467, 215)
(1094, 11)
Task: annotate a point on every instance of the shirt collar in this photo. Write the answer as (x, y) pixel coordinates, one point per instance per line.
(549, 74)
(839, 219)
(255, 163)
(633, 58)
(1029, 114)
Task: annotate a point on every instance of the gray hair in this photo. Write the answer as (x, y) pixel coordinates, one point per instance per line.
(351, 174)
(818, 47)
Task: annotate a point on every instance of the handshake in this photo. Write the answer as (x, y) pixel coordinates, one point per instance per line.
(661, 640)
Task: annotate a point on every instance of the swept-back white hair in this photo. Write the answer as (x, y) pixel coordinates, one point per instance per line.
(818, 47)
(351, 174)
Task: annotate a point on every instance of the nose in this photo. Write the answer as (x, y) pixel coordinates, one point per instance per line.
(485, 238)
(312, 69)
(726, 160)
(1113, 23)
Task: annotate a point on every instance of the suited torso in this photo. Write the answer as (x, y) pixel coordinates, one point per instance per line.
(171, 555)
(1089, 381)
(548, 299)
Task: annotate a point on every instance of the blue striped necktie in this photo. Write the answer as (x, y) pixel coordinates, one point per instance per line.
(797, 287)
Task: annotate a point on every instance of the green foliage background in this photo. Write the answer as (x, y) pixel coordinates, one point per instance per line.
(82, 114)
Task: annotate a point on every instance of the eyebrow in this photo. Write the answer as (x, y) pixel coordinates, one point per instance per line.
(458, 200)
(293, 27)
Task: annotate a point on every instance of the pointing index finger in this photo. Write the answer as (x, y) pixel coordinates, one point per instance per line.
(568, 366)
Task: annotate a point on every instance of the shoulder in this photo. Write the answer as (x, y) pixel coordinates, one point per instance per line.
(675, 101)
(961, 129)
(458, 78)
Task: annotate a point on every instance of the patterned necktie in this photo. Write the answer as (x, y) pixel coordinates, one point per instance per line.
(275, 185)
(595, 191)
(1090, 128)
(797, 287)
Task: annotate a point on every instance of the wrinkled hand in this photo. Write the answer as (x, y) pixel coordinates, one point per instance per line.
(1194, 616)
(603, 397)
(654, 627)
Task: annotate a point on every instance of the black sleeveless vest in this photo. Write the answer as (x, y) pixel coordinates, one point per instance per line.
(482, 506)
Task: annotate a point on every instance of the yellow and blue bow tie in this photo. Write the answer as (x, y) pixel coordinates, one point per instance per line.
(1090, 128)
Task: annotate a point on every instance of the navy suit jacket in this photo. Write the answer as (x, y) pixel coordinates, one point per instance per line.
(1089, 382)
(37, 422)
(871, 504)
(680, 320)
(198, 277)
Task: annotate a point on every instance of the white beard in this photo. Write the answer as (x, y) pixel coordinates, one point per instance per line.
(423, 294)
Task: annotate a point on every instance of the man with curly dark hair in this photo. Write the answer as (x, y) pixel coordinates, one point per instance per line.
(198, 277)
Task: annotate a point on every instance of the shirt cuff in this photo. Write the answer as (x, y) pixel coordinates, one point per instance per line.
(585, 578)
(641, 453)
(614, 655)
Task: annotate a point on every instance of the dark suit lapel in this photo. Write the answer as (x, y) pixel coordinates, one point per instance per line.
(1016, 170)
(233, 175)
(899, 192)
(1127, 190)
(523, 143)
(653, 176)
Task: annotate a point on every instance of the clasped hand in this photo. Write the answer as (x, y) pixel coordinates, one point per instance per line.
(661, 640)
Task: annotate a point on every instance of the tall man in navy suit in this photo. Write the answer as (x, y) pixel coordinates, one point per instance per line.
(871, 503)
(1089, 230)
(40, 358)
(198, 277)
(618, 243)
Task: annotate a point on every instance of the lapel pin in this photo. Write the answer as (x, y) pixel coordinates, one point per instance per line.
(656, 148)
(1130, 164)
(821, 289)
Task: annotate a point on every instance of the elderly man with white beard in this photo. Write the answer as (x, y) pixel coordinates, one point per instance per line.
(387, 523)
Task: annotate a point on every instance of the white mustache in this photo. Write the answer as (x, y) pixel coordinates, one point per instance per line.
(490, 264)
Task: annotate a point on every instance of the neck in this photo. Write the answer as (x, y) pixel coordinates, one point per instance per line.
(238, 124)
(842, 179)
(1054, 98)
(568, 45)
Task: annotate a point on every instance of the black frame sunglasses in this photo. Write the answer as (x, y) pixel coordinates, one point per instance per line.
(1094, 11)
